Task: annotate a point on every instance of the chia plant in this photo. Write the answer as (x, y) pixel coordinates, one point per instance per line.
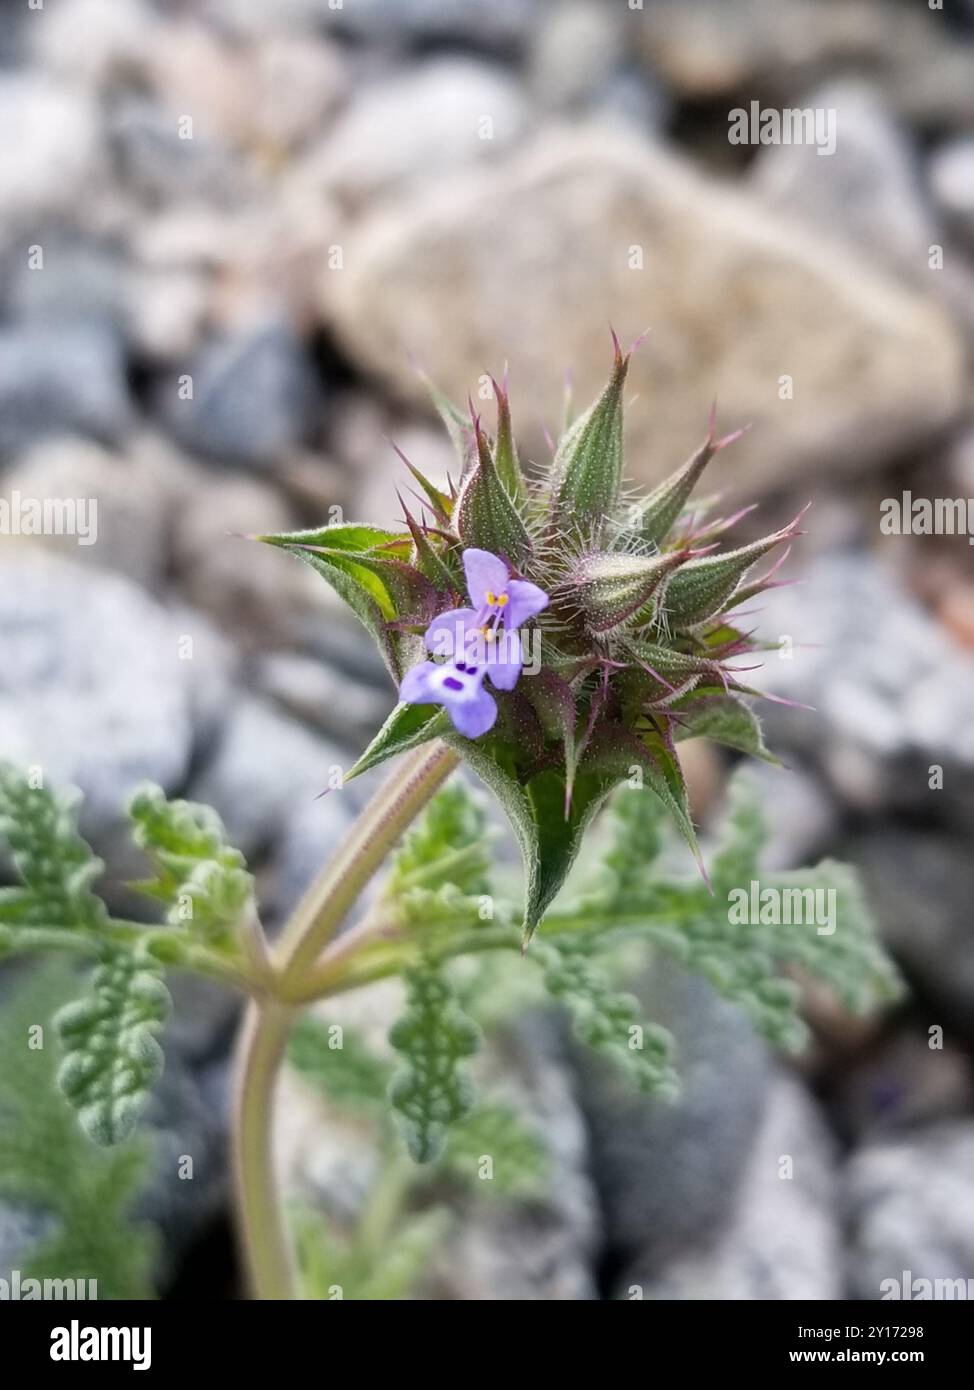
(561, 637)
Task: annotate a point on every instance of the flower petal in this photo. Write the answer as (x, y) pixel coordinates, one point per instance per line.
(475, 714)
(416, 687)
(504, 659)
(485, 573)
(524, 601)
(451, 632)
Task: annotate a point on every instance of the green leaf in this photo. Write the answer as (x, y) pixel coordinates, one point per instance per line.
(338, 1063)
(611, 1023)
(587, 468)
(431, 1090)
(612, 589)
(202, 880)
(519, 1159)
(447, 846)
(50, 1167)
(505, 450)
(548, 838)
(701, 588)
(340, 554)
(665, 503)
(408, 727)
(55, 865)
(112, 1058)
(486, 515)
(726, 720)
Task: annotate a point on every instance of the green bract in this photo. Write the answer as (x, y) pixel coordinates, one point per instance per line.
(635, 651)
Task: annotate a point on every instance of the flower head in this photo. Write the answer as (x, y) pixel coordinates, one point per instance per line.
(631, 606)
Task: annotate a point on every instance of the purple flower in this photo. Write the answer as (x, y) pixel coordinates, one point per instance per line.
(476, 642)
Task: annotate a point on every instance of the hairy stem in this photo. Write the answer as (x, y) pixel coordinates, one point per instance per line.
(269, 1017)
(323, 908)
(260, 1220)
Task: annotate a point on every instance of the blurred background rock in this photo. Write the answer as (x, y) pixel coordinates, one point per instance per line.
(293, 204)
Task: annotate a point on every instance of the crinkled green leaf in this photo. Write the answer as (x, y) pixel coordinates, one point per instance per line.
(338, 1063)
(519, 1159)
(55, 865)
(611, 1023)
(48, 1166)
(201, 879)
(112, 1058)
(431, 1089)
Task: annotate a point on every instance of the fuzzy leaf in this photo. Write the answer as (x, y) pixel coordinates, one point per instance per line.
(55, 865)
(408, 727)
(201, 879)
(701, 588)
(49, 1168)
(726, 720)
(587, 468)
(611, 589)
(431, 1089)
(665, 503)
(348, 1074)
(505, 450)
(338, 555)
(611, 1023)
(487, 518)
(112, 1058)
(548, 839)
(520, 1161)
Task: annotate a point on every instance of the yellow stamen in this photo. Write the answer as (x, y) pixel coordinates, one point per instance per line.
(495, 600)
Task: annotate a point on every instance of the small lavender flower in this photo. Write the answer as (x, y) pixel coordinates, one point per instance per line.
(477, 642)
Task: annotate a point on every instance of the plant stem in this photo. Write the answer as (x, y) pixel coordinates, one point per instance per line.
(264, 1238)
(395, 805)
(270, 1015)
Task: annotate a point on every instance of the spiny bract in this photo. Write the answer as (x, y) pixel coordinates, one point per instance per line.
(637, 649)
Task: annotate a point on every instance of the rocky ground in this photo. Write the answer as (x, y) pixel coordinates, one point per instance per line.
(390, 181)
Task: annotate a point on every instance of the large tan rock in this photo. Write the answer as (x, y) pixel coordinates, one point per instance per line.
(532, 260)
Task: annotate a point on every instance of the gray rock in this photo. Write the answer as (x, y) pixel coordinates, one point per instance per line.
(61, 378)
(782, 1238)
(53, 156)
(868, 190)
(128, 505)
(667, 1173)
(952, 182)
(576, 49)
(93, 688)
(188, 1178)
(82, 279)
(899, 1085)
(429, 120)
(872, 363)
(334, 702)
(891, 694)
(920, 884)
(158, 163)
(539, 1250)
(254, 397)
(501, 24)
(264, 766)
(910, 1209)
